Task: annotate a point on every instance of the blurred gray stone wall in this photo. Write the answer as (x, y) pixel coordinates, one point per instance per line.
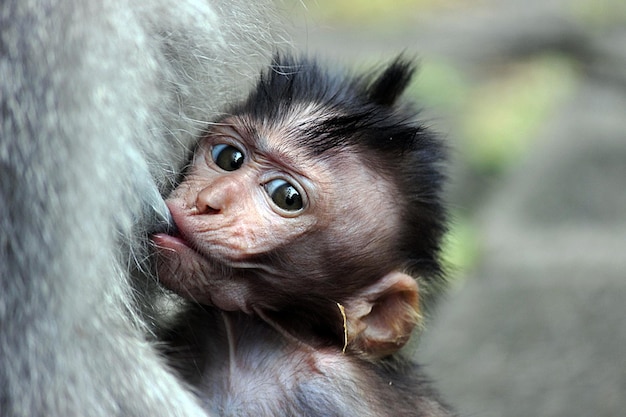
(539, 326)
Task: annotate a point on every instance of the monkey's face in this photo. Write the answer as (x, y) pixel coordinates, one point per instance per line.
(252, 194)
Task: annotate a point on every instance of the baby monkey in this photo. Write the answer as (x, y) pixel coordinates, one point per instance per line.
(304, 223)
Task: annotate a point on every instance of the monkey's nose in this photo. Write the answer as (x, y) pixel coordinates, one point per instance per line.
(205, 204)
(216, 197)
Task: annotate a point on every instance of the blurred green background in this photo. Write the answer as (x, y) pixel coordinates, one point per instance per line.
(532, 97)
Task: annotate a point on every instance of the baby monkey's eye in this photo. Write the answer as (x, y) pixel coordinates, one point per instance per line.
(227, 157)
(284, 195)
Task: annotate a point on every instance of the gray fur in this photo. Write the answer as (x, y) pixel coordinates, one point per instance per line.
(100, 104)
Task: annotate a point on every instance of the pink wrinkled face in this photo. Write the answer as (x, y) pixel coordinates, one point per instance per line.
(250, 192)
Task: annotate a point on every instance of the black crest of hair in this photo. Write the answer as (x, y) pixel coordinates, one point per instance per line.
(366, 113)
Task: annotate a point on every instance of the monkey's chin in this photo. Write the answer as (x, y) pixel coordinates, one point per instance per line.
(175, 257)
(188, 273)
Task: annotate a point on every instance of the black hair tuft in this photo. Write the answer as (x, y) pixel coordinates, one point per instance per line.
(389, 86)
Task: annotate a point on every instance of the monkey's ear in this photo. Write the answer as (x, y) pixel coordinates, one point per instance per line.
(392, 82)
(380, 318)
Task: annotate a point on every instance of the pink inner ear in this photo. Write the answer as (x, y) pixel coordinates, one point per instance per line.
(393, 317)
(386, 325)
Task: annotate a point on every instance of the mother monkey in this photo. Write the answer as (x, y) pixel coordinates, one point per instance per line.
(100, 104)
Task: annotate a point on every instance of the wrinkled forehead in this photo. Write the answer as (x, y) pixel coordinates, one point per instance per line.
(296, 126)
(297, 140)
(351, 177)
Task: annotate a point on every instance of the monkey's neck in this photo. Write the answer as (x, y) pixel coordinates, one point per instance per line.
(284, 332)
(253, 348)
(208, 342)
(234, 327)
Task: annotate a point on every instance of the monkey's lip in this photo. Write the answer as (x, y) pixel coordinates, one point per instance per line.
(175, 243)
(173, 238)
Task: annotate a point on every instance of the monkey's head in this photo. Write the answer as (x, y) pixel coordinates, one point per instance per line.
(316, 198)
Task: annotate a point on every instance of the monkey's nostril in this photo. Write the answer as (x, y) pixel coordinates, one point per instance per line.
(205, 209)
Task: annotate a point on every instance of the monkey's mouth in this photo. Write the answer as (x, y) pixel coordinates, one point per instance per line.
(173, 240)
(167, 231)
(180, 237)
(171, 237)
